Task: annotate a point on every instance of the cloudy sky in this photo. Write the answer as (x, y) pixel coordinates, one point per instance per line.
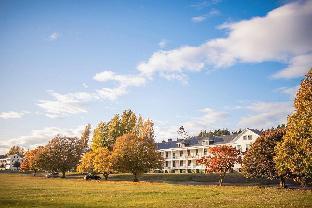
(202, 64)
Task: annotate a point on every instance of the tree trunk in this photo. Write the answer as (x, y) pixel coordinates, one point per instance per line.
(34, 173)
(135, 177)
(282, 182)
(221, 180)
(63, 174)
(105, 174)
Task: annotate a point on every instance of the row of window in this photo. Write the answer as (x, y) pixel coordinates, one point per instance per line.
(188, 153)
(189, 163)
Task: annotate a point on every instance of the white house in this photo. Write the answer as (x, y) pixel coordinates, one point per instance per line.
(9, 163)
(180, 156)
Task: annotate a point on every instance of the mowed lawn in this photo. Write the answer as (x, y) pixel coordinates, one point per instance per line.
(18, 190)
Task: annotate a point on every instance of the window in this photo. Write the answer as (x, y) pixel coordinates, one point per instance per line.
(249, 137)
(244, 137)
(196, 151)
(188, 152)
(167, 163)
(181, 153)
(205, 151)
(167, 153)
(173, 155)
(247, 146)
(173, 163)
(181, 162)
(189, 162)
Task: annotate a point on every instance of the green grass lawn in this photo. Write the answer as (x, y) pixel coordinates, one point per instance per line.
(18, 190)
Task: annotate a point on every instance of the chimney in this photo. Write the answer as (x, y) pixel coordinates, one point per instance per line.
(169, 140)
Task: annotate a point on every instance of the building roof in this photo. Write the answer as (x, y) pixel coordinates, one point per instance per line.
(196, 141)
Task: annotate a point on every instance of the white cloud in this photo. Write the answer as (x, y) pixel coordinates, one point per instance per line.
(38, 137)
(265, 115)
(291, 91)
(112, 93)
(163, 43)
(12, 114)
(209, 119)
(66, 104)
(283, 35)
(54, 36)
(198, 19)
(298, 66)
(123, 80)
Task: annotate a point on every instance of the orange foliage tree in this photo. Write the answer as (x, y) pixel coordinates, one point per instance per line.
(221, 159)
(31, 161)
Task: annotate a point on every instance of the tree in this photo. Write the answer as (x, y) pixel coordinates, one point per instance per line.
(102, 161)
(101, 136)
(128, 122)
(61, 154)
(135, 155)
(16, 150)
(31, 160)
(85, 137)
(182, 133)
(221, 160)
(16, 164)
(258, 161)
(294, 152)
(86, 163)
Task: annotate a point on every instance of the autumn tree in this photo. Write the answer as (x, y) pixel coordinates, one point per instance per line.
(101, 136)
(32, 161)
(96, 161)
(135, 155)
(258, 161)
(86, 163)
(294, 152)
(106, 133)
(84, 139)
(61, 154)
(221, 159)
(102, 161)
(16, 150)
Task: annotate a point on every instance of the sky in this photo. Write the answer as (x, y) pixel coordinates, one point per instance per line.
(203, 64)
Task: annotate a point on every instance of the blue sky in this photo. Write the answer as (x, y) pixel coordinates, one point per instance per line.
(202, 64)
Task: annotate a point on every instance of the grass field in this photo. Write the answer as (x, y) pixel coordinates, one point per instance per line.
(18, 190)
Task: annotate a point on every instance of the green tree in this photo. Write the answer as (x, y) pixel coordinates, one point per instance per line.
(294, 152)
(258, 161)
(128, 122)
(101, 136)
(135, 155)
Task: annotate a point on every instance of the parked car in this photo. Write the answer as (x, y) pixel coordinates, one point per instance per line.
(52, 175)
(92, 177)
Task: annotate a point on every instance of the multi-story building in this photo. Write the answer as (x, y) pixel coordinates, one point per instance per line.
(11, 162)
(180, 155)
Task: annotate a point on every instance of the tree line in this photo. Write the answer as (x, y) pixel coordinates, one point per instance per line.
(124, 144)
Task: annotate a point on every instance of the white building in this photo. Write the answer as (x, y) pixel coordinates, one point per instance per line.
(9, 163)
(180, 156)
